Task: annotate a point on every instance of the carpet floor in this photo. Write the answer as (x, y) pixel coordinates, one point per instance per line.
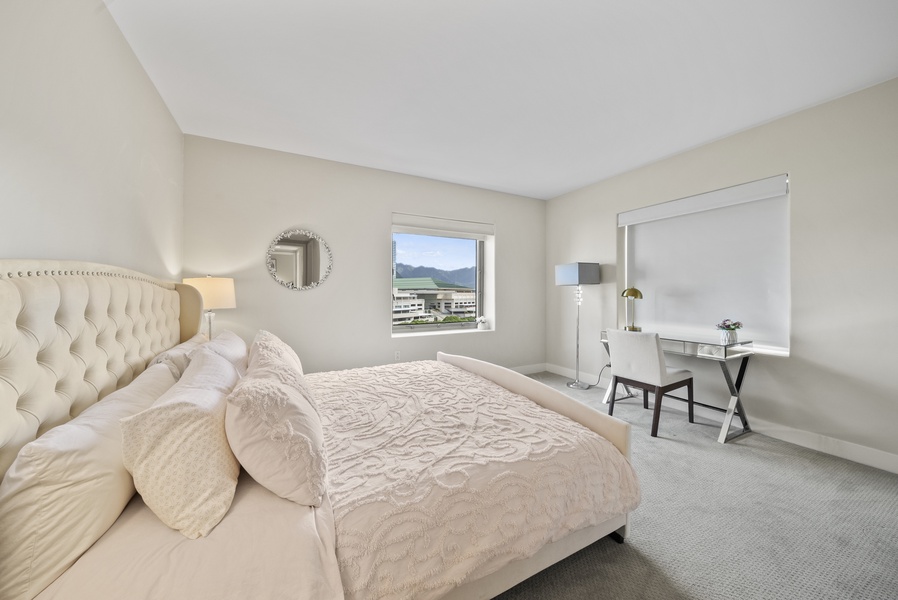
(756, 518)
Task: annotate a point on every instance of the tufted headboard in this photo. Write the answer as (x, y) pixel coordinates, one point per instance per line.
(72, 332)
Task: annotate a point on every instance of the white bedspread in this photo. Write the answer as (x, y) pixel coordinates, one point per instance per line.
(437, 475)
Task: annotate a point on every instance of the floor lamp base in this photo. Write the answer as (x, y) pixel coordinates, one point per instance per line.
(578, 385)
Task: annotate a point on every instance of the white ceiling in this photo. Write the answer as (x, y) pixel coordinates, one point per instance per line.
(531, 97)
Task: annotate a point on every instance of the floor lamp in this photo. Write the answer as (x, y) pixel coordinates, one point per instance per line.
(217, 292)
(577, 274)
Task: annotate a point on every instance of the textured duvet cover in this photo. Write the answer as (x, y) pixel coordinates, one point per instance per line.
(436, 475)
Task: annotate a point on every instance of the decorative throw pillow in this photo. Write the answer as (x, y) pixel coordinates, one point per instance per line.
(267, 346)
(177, 357)
(273, 425)
(229, 345)
(276, 435)
(178, 452)
(66, 488)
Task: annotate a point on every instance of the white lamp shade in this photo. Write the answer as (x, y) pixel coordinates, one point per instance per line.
(217, 292)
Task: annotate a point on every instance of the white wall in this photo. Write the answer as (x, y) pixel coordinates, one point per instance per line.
(238, 198)
(837, 391)
(91, 161)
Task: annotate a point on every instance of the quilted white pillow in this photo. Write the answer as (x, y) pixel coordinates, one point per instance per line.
(66, 488)
(273, 425)
(177, 450)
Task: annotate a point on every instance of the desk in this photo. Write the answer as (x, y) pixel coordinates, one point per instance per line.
(709, 348)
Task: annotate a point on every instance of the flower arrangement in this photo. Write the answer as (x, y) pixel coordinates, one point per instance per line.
(729, 325)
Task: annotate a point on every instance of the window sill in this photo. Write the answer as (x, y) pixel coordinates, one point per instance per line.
(439, 332)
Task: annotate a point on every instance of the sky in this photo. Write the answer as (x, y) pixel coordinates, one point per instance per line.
(432, 251)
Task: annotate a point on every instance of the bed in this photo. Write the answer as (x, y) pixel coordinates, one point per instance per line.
(450, 478)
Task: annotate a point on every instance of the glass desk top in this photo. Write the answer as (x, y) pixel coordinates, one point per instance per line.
(702, 346)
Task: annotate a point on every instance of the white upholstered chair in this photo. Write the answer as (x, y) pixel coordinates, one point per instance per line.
(638, 361)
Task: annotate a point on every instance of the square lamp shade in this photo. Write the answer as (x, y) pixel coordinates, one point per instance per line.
(577, 274)
(217, 292)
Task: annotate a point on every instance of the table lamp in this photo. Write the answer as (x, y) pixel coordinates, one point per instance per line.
(631, 294)
(217, 292)
(577, 274)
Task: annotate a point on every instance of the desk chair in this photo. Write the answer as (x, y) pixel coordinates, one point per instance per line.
(638, 361)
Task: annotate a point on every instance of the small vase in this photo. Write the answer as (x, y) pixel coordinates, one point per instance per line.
(728, 336)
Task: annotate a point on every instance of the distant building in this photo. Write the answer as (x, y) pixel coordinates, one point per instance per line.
(429, 299)
(408, 308)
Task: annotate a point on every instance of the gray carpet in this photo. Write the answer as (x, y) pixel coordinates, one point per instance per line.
(753, 518)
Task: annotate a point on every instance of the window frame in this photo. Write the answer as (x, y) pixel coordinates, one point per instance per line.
(483, 234)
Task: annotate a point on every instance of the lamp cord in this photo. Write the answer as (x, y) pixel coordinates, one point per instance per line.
(596, 384)
(601, 371)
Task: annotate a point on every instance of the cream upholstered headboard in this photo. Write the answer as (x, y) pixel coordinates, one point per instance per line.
(72, 332)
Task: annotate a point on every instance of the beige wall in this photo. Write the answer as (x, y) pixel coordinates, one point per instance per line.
(91, 160)
(837, 390)
(237, 198)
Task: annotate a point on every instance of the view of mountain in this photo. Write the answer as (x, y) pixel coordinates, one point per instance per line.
(465, 277)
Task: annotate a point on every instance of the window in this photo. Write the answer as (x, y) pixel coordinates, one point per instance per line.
(720, 255)
(438, 273)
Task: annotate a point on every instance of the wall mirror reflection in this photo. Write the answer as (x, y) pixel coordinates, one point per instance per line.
(299, 259)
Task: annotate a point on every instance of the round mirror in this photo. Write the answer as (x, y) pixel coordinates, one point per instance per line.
(299, 259)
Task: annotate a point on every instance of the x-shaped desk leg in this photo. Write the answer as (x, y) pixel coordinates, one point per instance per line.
(735, 405)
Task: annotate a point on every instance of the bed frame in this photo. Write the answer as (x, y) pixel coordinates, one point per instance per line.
(72, 332)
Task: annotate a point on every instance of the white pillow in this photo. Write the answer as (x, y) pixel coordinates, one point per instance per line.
(267, 346)
(229, 345)
(66, 488)
(177, 450)
(273, 426)
(276, 435)
(177, 357)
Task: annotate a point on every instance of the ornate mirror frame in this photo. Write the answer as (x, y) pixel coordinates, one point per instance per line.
(326, 254)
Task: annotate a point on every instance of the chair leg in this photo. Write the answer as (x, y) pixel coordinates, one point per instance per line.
(657, 416)
(690, 401)
(645, 398)
(613, 392)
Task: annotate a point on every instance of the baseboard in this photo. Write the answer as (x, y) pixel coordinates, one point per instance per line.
(828, 445)
(530, 369)
(806, 439)
(589, 378)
